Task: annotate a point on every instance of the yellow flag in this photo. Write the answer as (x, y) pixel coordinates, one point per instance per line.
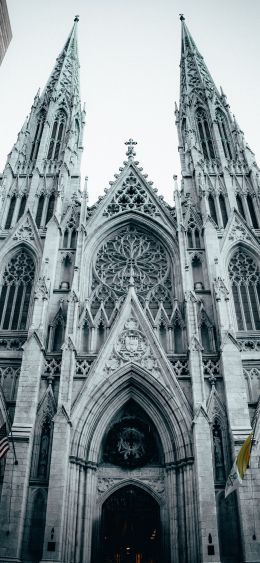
(239, 467)
(243, 456)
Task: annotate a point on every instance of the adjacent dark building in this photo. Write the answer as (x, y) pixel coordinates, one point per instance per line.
(5, 29)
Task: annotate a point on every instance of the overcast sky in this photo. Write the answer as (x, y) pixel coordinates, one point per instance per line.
(129, 54)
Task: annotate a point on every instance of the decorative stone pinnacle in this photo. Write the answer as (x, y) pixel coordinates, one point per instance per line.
(130, 149)
(182, 18)
(76, 19)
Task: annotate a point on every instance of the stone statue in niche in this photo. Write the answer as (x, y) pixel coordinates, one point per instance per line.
(218, 454)
(44, 451)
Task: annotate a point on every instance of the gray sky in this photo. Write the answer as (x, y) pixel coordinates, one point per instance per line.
(129, 54)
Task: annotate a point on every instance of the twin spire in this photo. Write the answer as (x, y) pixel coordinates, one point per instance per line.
(195, 76)
(64, 78)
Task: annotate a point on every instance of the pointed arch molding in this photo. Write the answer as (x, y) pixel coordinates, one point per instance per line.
(238, 233)
(25, 234)
(131, 364)
(98, 232)
(131, 382)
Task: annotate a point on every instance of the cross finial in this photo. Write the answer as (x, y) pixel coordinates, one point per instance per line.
(76, 19)
(130, 149)
(182, 18)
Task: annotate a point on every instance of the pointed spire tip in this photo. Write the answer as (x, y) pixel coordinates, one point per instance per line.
(76, 19)
(182, 18)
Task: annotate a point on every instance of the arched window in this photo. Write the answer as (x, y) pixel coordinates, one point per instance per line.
(193, 235)
(223, 133)
(245, 281)
(223, 209)
(198, 278)
(73, 239)
(38, 219)
(22, 207)
(16, 291)
(205, 337)
(240, 206)
(58, 336)
(205, 135)
(219, 464)
(50, 208)
(38, 136)
(57, 136)
(251, 210)
(212, 209)
(11, 209)
(42, 471)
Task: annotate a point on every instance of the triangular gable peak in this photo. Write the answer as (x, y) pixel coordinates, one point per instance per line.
(133, 343)
(237, 231)
(215, 407)
(132, 192)
(71, 217)
(192, 215)
(25, 231)
(242, 185)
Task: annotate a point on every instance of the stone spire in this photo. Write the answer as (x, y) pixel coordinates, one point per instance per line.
(195, 76)
(64, 79)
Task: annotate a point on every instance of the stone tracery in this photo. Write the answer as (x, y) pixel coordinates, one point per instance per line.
(131, 254)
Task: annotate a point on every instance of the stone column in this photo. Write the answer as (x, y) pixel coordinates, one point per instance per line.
(16, 479)
(90, 496)
(172, 542)
(207, 514)
(55, 528)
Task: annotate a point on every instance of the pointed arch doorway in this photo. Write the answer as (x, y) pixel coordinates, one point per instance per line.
(131, 530)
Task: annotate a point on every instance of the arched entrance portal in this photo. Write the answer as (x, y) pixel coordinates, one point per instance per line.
(131, 527)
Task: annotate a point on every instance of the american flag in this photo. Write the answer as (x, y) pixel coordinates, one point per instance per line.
(4, 443)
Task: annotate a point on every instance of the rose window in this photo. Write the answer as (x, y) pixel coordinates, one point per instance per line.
(131, 256)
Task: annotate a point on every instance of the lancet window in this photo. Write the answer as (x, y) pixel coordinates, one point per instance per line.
(56, 333)
(22, 207)
(224, 135)
(212, 209)
(223, 209)
(197, 270)
(205, 134)
(38, 136)
(10, 213)
(45, 210)
(240, 206)
(193, 235)
(245, 281)
(57, 136)
(40, 211)
(70, 235)
(15, 297)
(252, 212)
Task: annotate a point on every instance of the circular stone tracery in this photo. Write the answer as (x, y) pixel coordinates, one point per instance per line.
(131, 254)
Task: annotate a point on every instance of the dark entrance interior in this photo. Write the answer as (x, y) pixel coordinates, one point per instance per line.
(131, 527)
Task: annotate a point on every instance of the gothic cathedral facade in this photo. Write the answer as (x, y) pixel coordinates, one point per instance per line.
(129, 339)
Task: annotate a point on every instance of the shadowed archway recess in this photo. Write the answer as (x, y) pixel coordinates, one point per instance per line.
(130, 527)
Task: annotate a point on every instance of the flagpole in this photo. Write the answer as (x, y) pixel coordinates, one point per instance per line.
(251, 476)
(12, 438)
